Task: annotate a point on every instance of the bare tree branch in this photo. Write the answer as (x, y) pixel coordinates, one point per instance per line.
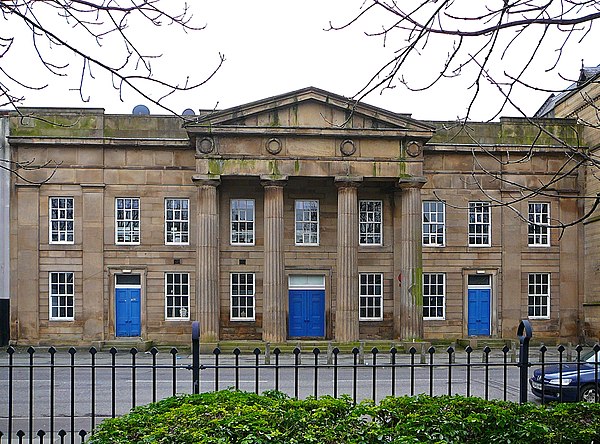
(100, 35)
(484, 43)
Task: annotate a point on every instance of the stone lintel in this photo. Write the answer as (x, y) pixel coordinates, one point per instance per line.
(411, 182)
(206, 180)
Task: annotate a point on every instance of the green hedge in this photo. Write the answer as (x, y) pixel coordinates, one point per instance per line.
(239, 417)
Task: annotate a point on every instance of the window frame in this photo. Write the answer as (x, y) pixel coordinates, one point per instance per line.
(244, 221)
(473, 205)
(541, 295)
(117, 220)
(60, 219)
(182, 285)
(310, 222)
(544, 230)
(239, 306)
(177, 222)
(363, 299)
(59, 295)
(443, 296)
(377, 225)
(431, 224)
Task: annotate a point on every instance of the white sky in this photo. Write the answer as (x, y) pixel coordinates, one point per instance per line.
(275, 46)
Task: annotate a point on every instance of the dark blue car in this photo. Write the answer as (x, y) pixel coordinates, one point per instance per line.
(553, 380)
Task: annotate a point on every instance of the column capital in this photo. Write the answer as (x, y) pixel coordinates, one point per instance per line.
(348, 181)
(411, 182)
(206, 180)
(270, 180)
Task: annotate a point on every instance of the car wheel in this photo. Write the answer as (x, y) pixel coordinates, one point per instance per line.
(588, 394)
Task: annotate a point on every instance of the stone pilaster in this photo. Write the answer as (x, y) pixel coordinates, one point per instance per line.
(207, 270)
(408, 259)
(27, 304)
(274, 286)
(93, 262)
(346, 313)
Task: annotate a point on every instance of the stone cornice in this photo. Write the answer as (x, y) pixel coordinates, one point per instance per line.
(99, 141)
(482, 147)
(358, 133)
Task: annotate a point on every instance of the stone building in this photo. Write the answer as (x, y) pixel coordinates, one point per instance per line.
(297, 216)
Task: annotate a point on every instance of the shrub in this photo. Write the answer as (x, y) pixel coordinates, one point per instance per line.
(238, 417)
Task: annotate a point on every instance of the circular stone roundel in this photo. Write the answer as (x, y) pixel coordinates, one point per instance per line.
(347, 147)
(274, 146)
(413, 148)
(205, 145)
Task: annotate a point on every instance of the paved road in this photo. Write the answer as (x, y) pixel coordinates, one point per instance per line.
(90, 403)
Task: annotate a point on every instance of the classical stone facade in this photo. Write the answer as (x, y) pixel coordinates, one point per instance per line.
(298, 216)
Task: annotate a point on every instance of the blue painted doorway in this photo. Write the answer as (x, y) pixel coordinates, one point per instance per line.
(479, 311)
(128, 312)
(307, 313)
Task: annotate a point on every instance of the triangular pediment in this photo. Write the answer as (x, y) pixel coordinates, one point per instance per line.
(311, 108)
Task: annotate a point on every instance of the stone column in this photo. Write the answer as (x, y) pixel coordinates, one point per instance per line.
(207, 273)
(346, 313)
(408, 296)
(93, 262)
(274, 287)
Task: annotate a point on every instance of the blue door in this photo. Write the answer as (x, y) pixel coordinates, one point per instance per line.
(479, 311)
(307, 313)
(128, 312)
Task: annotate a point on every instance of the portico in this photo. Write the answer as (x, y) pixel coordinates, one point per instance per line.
(340, 153)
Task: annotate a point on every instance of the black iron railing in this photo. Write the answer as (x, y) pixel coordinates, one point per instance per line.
(56, 396)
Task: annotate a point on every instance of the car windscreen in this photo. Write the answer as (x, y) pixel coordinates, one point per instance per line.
(591, 357)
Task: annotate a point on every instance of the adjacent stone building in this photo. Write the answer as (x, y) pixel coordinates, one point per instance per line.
(298, 216)
(581, 102)
(4, 231)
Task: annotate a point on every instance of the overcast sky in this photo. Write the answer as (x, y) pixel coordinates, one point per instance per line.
(274, 46)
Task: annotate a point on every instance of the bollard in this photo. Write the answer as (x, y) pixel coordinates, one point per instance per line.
(195, 357)
(524, 333)
(268, 353)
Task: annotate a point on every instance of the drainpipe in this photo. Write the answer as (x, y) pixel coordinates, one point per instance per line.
(4, 233)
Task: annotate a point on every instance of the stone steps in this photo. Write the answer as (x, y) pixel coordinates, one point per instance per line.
(124, 345)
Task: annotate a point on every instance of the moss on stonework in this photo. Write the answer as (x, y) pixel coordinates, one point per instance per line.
(215, 167)
(274, 168)
(510, 131)
(274, 121)
(417, 287)
(402, 169)
(402, 155)
(224, 166)
(56, 126)
(296, 166)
